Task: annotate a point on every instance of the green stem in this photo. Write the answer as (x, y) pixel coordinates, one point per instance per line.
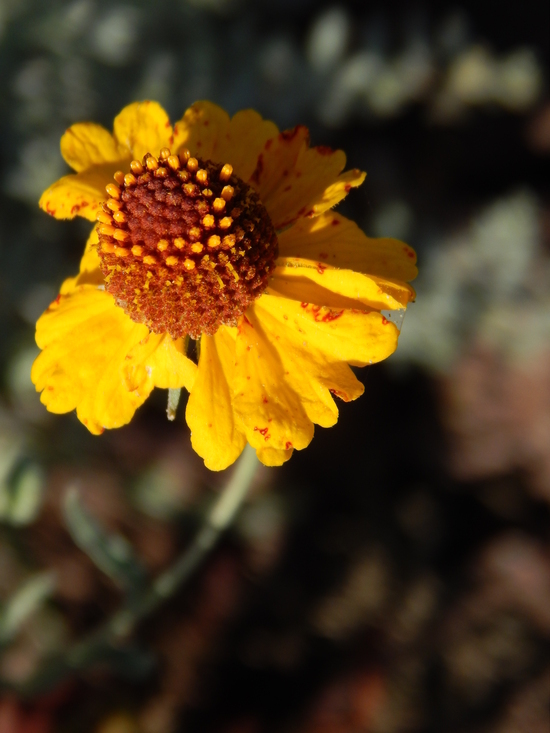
(124, 622)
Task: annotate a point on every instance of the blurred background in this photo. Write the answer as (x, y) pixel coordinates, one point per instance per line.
(395, 576)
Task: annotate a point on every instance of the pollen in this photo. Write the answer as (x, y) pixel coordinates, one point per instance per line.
(154, 228)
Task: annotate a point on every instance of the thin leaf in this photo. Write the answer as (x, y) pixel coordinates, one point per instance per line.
(110, 552)
(26, 600)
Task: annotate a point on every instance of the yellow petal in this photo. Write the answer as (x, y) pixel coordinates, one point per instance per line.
(315, 282)
(312, 374)
(356, 337)
(338, 241)
(89, 272)
(208, 132)
(158, 361)
(143, 127)
(86, 144)
(80, 194)
(200, 129)
(214, 433)
(272, 456)
(85, 339)
(294, 180)
(270, 411)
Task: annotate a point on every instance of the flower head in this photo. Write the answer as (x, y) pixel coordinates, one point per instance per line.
(219, 229)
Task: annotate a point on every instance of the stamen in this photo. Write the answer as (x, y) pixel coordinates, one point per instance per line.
(151, 163)
(149, 260)
(172, 261)
(162, 245)
(174, 162)
(136, 167)
(137, 250)
(119, 216)
(226, 172)
(208, 221)
(112, 190)
(226, 222)
(218, 205)
(103, 217)
(192, 165)
(228, 193)
(164, 154)
(214, 241)
(184, 155)
(121, 234)
(130, 179)
(179, 243)
(202, 176)
(113, 204)
(119, 177)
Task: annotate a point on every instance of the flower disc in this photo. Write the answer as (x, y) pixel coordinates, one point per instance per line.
(185, 245)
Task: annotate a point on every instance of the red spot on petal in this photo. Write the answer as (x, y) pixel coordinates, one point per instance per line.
(347, 187)
(335, 222)
(167, 124)
(285, 317)
(258, 170)
(323, 255)
(384, 321)
(288, 445)
(321, 268)
(263, 431)
(287, 188)
(332, 316)
(206, 123)
(265, 400)
(342, 395)
(248, 347)
(268, 144)
(324, 150)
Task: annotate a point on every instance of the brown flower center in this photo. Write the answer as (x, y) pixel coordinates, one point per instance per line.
(185, 245)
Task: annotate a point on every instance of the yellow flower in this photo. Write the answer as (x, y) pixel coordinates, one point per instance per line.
(221, 228)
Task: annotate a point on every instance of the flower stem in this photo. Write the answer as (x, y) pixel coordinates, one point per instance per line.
(124, 621)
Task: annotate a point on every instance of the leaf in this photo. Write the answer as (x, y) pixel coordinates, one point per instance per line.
(110, 552)
(26, 600)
